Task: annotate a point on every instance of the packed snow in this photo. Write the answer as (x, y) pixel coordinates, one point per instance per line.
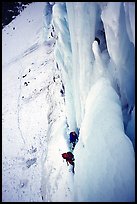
(31, 101)
(69, 66)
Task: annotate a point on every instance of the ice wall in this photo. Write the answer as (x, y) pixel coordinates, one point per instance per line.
(47, 19)
(63, 56)
(77, 25)
(95, 41)
(121, 49)
(82, 21)
(120, 43)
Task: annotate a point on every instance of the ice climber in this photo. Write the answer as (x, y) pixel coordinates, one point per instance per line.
(69, 159)
(73, 139)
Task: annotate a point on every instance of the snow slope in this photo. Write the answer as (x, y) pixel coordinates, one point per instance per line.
(31, 101)
(26, 34)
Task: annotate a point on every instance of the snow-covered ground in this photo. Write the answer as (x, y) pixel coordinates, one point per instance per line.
(37, 116)
(32, 100)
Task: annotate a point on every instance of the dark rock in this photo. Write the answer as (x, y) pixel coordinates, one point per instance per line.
(30, 162)
(97, 39)
(24, 76)
(25, 83)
